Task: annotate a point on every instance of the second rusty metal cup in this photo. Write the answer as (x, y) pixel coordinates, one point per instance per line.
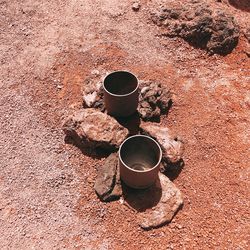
(121, 95)
(139, 161)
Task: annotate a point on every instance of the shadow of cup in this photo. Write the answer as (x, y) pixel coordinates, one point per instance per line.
(139, 161)
(121, 94)
(132, 123)
(142, 199)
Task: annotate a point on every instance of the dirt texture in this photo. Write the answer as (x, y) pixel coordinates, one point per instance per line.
(47, 198)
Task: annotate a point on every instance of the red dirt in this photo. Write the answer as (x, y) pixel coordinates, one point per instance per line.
(46, 186)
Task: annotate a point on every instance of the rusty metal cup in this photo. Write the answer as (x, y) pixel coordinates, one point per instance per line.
(139, 161)
(121, 94)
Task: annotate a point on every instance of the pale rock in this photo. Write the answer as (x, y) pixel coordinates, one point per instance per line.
(136, 6)
(170, 202)
(157, 205)
(172, 147)
(95, 129)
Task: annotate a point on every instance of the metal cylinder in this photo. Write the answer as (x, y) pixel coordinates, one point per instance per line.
(121, 95)
(139, 161)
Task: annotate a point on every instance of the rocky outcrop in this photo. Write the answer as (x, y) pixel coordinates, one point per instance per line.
(199, 24)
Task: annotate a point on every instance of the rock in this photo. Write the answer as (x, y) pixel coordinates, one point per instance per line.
(136, 6)
(156, 205)
(172, 147)
(90, 99)
(95, 129)
(225, 34)
(107, 184)
(199, 24)
(93, 92)
(154, 100)
(170, 201)
(95, 72)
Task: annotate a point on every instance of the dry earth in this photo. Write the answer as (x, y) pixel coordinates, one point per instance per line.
(47, 200)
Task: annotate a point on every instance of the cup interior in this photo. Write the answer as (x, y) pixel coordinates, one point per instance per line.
(120, 83)
(140, 153)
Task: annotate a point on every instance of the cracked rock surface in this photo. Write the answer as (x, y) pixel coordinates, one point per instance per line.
(107, 184)
(95, 129)
(156, 205)
(154, 100)
(172, 147)
(199, 24)
(170, 201)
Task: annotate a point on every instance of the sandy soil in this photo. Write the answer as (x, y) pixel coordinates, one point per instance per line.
(47, 200)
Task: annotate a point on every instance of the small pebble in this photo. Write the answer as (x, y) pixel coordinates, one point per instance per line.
(136, 6)
(95, 72)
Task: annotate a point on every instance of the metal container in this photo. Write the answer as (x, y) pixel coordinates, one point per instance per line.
(121, 95)
(139, 161)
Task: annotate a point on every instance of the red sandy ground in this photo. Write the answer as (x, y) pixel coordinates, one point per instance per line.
(47, 199)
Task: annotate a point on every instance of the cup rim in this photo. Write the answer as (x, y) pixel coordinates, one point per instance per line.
(141, 171)
(119, 71)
